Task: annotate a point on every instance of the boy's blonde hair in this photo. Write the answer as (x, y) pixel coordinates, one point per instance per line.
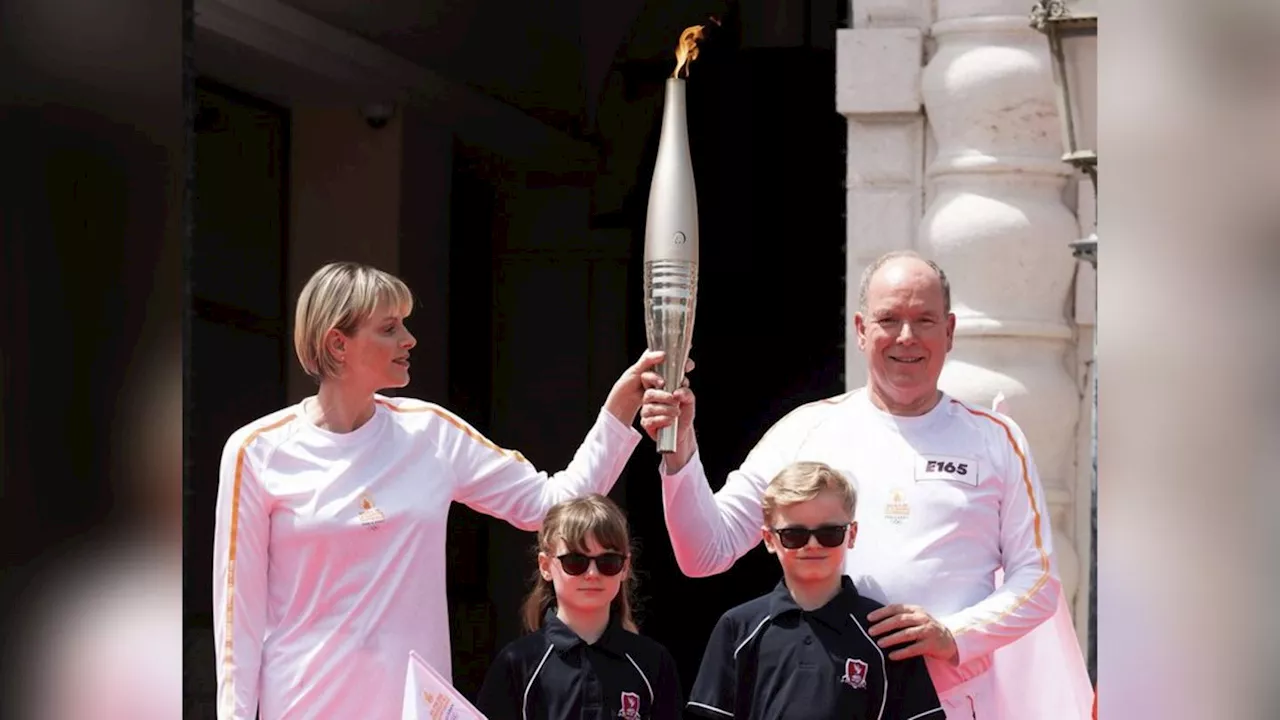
(340, 296)
(572, 521)
(803, 481)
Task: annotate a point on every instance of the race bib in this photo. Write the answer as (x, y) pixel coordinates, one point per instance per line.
(947, 467)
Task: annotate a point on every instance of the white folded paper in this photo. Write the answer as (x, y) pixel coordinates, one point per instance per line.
(428, 696)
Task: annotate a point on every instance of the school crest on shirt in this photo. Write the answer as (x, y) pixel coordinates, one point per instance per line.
(370, 516)
(855, 674)
(630, 706)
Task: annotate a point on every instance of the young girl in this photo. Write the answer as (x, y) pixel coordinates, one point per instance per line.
(583, 657)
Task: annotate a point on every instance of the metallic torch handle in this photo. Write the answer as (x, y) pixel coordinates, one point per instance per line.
(670, 291)
(671, 250)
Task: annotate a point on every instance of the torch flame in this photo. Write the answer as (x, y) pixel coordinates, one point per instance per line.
(687, 50)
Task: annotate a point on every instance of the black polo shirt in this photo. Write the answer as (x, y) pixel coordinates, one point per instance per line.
(552, 674)
(768, 659)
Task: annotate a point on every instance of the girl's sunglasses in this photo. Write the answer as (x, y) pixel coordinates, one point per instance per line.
(794, 538)
(607, 564)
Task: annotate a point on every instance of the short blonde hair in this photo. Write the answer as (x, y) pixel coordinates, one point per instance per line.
(803, 481)
(341, 296)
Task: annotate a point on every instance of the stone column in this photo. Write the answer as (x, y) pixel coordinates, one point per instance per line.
(996, 221)
(878, 67)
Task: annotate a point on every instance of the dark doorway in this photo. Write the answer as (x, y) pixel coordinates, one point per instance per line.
(473, 204)
(768, 151)
(238, 345)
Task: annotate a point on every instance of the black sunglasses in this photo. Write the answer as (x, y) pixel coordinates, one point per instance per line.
(607, 564)
(794, 538)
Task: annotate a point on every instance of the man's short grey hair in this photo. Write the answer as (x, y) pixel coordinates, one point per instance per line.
(880, 262)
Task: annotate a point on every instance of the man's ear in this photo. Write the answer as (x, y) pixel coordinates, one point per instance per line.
(860, 327)
(853, 532)
(951, 330)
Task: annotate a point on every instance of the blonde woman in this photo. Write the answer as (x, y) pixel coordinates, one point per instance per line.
(329, 555)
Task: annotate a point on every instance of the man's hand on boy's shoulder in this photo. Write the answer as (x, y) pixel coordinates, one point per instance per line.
(926, 635)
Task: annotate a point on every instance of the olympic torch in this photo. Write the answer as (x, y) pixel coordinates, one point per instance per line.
(671, 237)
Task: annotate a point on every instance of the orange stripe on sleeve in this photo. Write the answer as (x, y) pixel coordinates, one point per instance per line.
(1035, 512)
(235, 533)
(458, 423)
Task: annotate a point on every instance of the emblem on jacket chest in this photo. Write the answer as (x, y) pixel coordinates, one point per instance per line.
(897, 510)
(370, 516)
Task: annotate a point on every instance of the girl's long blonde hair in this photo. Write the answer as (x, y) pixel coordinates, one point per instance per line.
(573, 521)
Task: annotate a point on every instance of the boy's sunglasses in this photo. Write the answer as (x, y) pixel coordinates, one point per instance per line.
(607, 564)
(794, 538)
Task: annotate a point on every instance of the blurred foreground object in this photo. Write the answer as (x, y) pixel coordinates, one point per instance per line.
(102, 639)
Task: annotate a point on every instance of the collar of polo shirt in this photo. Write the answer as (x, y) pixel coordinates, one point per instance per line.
(563, 638)
(834, 614)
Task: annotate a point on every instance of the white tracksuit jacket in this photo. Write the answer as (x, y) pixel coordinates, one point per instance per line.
(329, 556)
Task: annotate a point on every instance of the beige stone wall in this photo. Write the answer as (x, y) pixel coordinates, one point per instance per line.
(344, 200)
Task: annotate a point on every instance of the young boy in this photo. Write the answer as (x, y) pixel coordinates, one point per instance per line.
(802, 651)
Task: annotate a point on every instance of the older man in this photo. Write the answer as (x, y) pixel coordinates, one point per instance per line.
(947, 493)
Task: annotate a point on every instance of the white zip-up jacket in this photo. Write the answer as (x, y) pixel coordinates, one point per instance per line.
(943, 501)
(329, 556)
